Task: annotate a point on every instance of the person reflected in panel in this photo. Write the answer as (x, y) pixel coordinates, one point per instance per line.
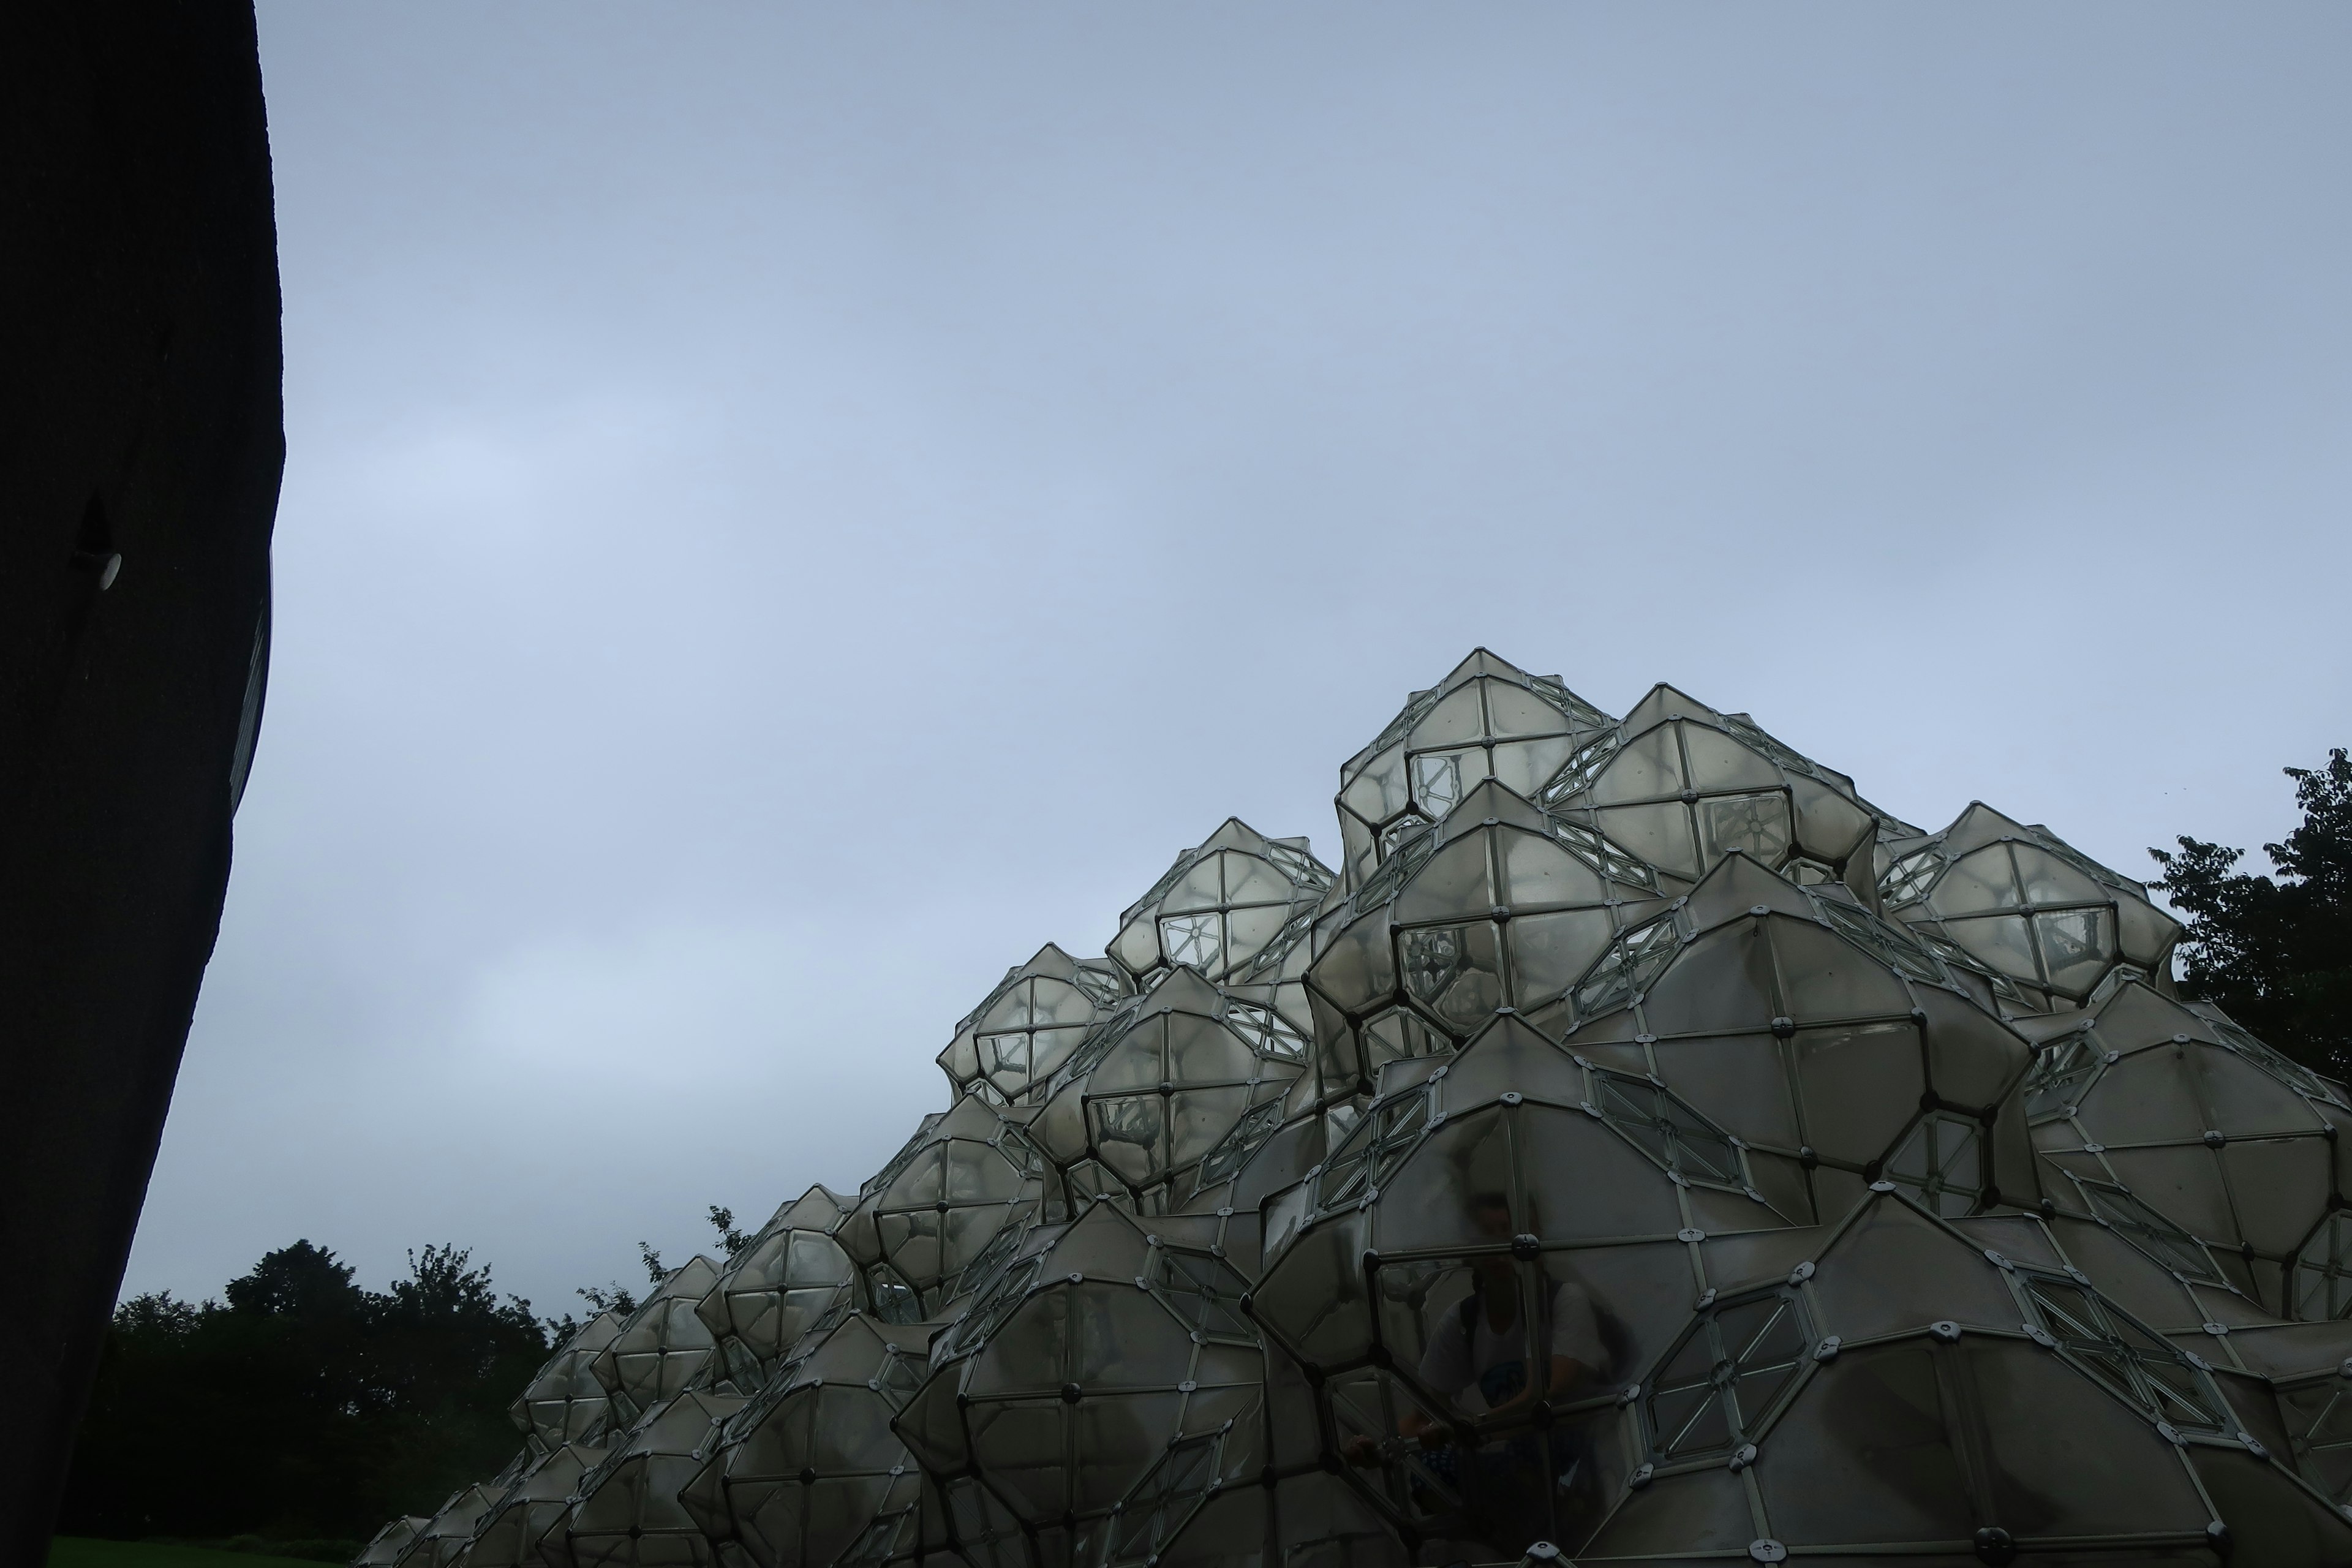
(1476, 1358)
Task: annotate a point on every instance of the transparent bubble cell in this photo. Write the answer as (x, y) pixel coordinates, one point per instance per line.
(1100, 1391)
(626, 1512)
(664, 1347)
(790, 1275)
(1486, 719)
(1233, 909)
(1496, 907)
(385, 1548)
(2028, 906)
(564, 1401)
(1008, 1045)
(534, 1501)
(1680, 785)
(2183, 1136)
(1162, 1084)
(1810, 1028)
(809, 1472)
(447, 1537)
(967, 1174)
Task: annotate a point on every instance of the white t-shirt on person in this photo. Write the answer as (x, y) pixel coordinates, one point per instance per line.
(1455, 1364)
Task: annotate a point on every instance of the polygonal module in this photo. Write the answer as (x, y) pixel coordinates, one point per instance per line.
(534, 1501)
(809, 1473)
(385, 1547)
(1679, 786)
(1161, 1085)
(1097, 1398)
(1929, 1380)
(563, 1402)
(1821, 1034)
(1501, 906)
(967, 1174)
(788, 1276)
(2028, 906)
(1233, 906)
(2179, 1133)
(1486, 719)
(663, 1347)
(450, 1531)
(1493, 1213)
(627, 1513)
(1006, 1047)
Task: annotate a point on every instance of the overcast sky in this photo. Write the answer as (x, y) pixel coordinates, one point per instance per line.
(788, 508)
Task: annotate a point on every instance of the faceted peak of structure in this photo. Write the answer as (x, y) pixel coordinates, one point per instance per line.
(509, 1533)
(564, 1402)
(1229, 909)
(1814, 1029)
(2028, 907)
(664, 1346)
(1502, 906)
(809, 1473)
(1006, 1047)
(1488, 719)
(1680, 785)
(965, 1176)
(790, 1274)
(1161, 1085)
(1100, 1393)
(627, 1512)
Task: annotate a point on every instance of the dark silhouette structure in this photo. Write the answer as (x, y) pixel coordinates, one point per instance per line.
(141, 446)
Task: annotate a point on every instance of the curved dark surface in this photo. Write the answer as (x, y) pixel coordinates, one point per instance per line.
(141, 445)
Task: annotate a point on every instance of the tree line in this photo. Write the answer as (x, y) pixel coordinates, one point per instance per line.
(303, 1409)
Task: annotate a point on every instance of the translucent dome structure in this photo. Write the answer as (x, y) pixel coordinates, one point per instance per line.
(1644, 1148)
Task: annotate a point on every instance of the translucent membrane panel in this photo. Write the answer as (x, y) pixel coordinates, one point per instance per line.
(2321, 1280)
(1942, 1162)
(2130, 1361)
(1728, 1372)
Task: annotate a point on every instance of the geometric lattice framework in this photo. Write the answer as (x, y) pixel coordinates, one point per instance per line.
(1642, 1148)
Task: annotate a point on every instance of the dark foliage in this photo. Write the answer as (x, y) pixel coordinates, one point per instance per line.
(2276, 951)
(304, 1406)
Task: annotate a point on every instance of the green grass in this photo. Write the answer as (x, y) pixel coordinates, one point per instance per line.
(79, 1551)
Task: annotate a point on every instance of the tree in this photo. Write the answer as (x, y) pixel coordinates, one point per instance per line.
(306, 1408)
(722, 1220)
(2275, 952)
